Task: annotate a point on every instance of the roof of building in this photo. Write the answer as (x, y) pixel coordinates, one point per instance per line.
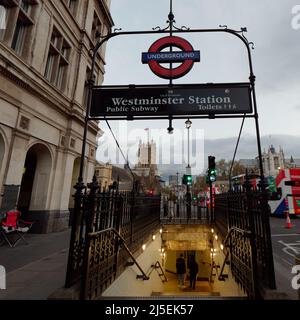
(121, 174)
(248, 162)
(295, 162)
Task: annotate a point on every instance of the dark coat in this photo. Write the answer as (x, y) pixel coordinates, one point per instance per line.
(180, 266)
(193, 268)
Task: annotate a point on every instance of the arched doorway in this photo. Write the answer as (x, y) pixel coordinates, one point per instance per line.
(35, 181)
(75, 175)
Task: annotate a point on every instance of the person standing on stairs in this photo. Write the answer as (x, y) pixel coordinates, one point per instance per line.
(193, 272)
(181, 270)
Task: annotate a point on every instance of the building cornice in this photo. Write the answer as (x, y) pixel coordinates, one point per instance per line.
(106, 12)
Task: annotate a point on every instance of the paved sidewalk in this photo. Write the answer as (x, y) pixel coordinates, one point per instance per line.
(36, 270)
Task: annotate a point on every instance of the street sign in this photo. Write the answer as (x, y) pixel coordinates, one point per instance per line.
(171, 57)
(163, 100)
(155, 56)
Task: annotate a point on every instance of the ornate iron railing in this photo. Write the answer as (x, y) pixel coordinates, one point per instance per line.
(177, 211)
(102, 264)
(135, 217)
(251, 256)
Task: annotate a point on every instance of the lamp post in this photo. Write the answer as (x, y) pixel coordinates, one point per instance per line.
(177, 191)
(188, 125)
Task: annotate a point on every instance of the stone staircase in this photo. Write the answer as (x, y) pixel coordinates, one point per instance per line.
(203, 289)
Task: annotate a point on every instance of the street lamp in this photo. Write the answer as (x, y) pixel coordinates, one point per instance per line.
(188, 125)
(170, 128)
(177, 190)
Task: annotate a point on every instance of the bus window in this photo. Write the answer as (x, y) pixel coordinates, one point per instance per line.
(276, 195)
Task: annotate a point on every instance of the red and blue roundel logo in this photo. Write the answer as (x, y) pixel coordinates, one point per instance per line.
(155, 57)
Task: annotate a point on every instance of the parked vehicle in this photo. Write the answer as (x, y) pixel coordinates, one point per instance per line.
(284, 190)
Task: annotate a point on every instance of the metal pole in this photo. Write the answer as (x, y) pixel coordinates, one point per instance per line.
(252, 81)
(271, 273)
(171, 21)
(188, 147)
(177, 189)
(91, 83)
(211, 202)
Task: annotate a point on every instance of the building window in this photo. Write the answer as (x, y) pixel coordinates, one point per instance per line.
(18, 39)
(58, 60)
(72, 5)
(20, 19)
(72, 143)
(92, 153)
(24, 123)
(63, 141)
(3, 21)
(86, 87)
(96, 28)
(276, 162)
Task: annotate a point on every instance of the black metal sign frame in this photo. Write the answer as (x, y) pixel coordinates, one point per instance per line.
(170, 29)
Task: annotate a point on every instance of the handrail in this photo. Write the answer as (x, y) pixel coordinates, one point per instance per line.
(94, 234)
(244, 233)
(221, 276)
(155, 266)
(213, 266)
(239, 230)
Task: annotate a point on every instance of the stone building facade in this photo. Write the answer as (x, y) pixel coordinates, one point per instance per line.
(103, 172)
(146, 159)
(45, 62)
(273, 161)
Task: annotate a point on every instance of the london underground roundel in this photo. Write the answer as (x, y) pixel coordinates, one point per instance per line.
(155, 57)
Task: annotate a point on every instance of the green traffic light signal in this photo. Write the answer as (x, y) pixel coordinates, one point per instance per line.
(212, 178)
(187, 179)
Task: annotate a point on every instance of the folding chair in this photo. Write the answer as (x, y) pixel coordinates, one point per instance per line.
(12, 224)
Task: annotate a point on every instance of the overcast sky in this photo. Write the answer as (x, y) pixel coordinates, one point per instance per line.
(223, 59)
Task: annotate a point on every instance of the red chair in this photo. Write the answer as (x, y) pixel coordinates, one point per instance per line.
(12, 224)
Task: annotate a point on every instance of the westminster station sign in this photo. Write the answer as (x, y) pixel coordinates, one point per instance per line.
(181, 100)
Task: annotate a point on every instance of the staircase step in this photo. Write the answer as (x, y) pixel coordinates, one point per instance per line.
(190, 294)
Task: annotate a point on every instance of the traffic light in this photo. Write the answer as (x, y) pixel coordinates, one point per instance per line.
(187, 179)
(151, 192)
(212, 172)
(207, 177)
